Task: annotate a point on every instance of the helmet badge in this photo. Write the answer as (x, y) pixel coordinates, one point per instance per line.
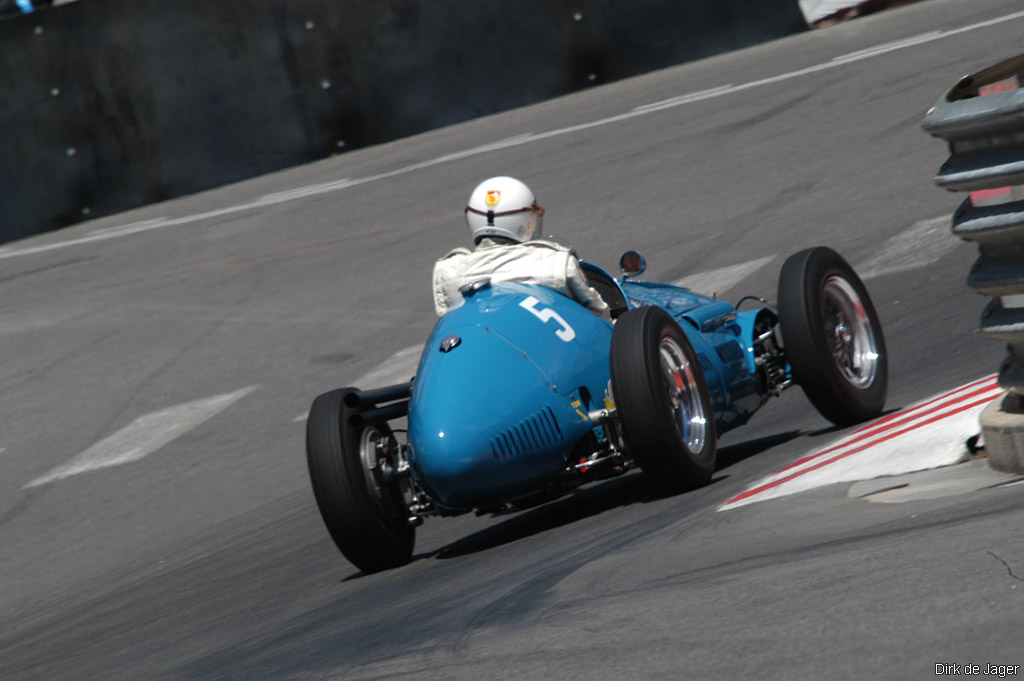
(493, 197)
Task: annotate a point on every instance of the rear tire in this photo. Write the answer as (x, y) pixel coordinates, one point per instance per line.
(832, 336)
(662, 400)
(367, 521)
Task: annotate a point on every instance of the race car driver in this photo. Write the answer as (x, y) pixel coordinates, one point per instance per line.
(505, 219)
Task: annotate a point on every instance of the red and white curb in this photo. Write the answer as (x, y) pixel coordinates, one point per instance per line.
(928, 435)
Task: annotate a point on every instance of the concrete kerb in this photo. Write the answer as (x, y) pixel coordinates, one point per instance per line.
(1002, 425)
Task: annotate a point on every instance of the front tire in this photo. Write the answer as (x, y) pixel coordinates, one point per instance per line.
(832, 336)
(662, 400)
(367, 521)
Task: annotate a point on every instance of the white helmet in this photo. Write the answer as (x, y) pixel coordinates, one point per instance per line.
(504, 207)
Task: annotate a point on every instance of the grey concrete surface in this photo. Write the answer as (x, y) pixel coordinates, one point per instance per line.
(207, 559)
(947, 481)
(1002, 423)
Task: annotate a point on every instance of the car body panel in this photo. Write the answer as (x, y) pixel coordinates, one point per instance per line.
(498, 412)
(723, 340)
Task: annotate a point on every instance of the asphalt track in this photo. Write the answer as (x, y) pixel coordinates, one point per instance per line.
(168, 352)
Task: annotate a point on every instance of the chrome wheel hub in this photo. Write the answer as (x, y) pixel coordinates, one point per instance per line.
(685, 399)
(848, 332)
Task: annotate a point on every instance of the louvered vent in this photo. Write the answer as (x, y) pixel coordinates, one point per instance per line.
(532, 433)
(705, 363)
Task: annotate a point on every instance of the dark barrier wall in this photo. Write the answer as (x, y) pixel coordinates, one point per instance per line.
(110, 104)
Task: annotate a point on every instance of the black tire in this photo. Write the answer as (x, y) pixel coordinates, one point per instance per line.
(672, 440)
(832, 337)
(368, 523)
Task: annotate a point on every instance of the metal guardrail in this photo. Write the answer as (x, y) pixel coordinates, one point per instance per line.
(982, 118)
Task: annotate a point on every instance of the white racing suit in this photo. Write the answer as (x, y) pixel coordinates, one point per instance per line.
(544, 263)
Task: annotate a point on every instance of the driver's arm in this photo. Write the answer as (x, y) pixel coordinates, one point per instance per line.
(582, 291)
(447, 280)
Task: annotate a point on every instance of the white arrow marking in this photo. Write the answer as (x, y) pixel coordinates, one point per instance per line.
(921, 245)
(718, 281)
(143, 436)
(398, 368)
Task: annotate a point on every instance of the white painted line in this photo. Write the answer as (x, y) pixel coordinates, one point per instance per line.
(718, 281)
(303, 192)
(143, 436)
(921, 245)
(890, 47)
(525, 138)
(131, 228)
(928, 435)
(683, 99)
(98, 235)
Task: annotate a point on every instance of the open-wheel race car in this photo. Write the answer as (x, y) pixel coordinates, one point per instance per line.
(522, 394)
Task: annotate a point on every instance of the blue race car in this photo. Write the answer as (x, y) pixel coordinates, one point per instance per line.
(522, 394)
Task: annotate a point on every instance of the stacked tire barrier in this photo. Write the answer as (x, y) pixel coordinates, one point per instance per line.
(111, 104)
(982, 119)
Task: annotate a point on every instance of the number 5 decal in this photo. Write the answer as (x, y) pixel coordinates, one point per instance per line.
(565, 333)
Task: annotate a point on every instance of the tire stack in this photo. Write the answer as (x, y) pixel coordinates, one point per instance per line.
(982, 119)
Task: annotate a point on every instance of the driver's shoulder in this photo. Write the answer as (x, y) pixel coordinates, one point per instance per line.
(548, 244)
(461, 250)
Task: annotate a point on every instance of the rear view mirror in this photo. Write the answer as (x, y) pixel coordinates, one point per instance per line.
(632, 264)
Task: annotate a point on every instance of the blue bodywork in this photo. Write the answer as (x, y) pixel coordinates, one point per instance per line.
(501, 397)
